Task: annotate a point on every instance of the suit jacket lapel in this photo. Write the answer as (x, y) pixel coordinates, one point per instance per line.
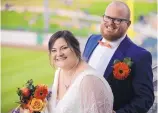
(119, 54)
(93, 46)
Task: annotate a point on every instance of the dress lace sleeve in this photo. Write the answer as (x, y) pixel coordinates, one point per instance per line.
(95, 95)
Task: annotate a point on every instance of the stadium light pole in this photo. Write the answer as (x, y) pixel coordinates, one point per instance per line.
(46, 15)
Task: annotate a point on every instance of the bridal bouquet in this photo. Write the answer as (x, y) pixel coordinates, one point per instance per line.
(32, 98)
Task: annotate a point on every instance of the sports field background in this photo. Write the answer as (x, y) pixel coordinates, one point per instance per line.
(34, 21)
(18, 66)
(21, 64)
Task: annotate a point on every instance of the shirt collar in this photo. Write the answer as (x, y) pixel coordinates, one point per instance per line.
(116, 42)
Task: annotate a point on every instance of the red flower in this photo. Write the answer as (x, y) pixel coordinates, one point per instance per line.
(41, 92)
(25, 91)
(121, 70)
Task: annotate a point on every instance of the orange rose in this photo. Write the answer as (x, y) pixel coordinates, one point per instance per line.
(36, 105)
(121, 70)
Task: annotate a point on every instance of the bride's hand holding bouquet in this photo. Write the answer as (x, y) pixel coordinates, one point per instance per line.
(32, 98)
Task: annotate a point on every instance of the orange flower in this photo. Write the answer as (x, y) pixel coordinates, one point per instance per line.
(41, 92)
(121, 70)
(25, 91)
(36, 105)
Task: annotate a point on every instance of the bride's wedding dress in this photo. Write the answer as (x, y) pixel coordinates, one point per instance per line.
(89, 93)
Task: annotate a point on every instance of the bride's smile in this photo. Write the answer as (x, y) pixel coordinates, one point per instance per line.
(62, 55)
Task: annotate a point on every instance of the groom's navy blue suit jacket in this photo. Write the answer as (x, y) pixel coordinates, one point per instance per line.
(135, 93)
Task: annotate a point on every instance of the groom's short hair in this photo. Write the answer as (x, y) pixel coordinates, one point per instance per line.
(123, 5)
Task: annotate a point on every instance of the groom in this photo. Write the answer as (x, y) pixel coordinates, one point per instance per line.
(126, 66)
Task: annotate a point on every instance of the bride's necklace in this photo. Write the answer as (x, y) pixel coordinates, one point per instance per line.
(67, 86)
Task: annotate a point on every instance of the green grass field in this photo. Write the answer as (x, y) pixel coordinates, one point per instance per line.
(18, 66)
(20, 21)
(53, 3)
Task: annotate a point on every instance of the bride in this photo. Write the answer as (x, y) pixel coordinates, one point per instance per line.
(77, 88)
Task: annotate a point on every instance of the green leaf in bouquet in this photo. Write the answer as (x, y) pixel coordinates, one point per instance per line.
(31, 87)
(18, 102)
(19, 91)
(29, 82)
(128, 61)
(116, 61)
(32, 90)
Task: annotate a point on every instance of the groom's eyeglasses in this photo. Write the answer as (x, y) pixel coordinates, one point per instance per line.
(114, 20)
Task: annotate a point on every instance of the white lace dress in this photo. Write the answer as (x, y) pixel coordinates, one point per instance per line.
(89, 93)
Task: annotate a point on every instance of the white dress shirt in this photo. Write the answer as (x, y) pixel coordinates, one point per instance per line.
(102, 55)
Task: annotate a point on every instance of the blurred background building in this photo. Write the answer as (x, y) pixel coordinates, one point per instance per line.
(27, 25)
